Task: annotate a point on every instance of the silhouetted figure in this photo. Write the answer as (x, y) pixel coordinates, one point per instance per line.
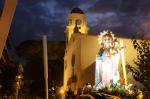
(69, 94)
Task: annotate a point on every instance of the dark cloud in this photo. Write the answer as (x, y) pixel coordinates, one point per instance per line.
(104, 5)
(30, 3)
(35, 21)
(1, 6)
(34, 18)
(128, 18)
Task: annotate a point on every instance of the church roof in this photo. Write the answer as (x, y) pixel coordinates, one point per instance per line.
(77, 10)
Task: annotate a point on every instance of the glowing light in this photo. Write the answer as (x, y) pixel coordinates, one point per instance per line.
(19, 77)
(62, 91)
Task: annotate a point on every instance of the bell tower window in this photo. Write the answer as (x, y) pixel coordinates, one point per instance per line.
(79, 22)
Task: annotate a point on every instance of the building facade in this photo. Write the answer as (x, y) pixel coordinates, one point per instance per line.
(81, 51)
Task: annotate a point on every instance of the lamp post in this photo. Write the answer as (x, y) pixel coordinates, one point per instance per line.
(18, 81)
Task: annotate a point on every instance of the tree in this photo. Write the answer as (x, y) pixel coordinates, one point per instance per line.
(32, 52)
(141, 70)
(9, 70)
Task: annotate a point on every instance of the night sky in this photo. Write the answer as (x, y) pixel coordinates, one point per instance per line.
(33, 18)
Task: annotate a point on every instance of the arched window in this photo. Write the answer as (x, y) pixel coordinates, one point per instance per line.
(79, 22)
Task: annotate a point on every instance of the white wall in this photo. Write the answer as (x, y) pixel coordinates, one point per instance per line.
(85, 48)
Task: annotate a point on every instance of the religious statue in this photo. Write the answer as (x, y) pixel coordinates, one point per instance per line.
(76, 28)
(107, 59)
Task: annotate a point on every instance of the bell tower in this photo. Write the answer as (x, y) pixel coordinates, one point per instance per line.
(76, 23)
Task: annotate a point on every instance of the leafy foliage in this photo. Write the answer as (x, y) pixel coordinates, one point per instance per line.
(141, 71)
(33, 49)
(117, 90)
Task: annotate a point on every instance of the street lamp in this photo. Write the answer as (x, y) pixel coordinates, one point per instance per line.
(18, 81)
(61, 92)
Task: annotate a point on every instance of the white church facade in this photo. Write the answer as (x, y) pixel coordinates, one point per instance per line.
(81, 51)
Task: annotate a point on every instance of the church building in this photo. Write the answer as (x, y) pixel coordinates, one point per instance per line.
(81, 50)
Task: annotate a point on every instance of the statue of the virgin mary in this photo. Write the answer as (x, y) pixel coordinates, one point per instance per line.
(107, 60)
